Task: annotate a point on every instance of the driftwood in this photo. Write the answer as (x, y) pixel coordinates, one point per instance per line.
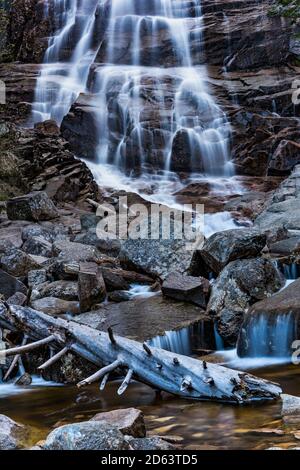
(179, 375)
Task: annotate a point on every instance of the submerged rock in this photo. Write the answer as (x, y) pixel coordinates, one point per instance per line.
(88, 435)
(129, 421)
(223, 247)
(187, 288)
(34, 206)
(239, 285)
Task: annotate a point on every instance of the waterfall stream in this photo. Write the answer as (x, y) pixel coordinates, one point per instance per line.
(151, 100)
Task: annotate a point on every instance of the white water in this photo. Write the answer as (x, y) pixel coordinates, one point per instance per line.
(9, 389)
(61, 82)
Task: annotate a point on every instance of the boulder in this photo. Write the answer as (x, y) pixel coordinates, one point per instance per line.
(35, 206)
(12, 435)
(187, 288)
(285, 158)
(114, 281)
(239, 285)
(75, 252)
(129, 421)
(285, 306)
(91, 286)
(36, 277)
(230, 245)
(38, 246)
(290, 410)
(17, 263)
(17, 299)
(24, 381)
(9, 285)
(155, 257)
(65, 290)
(54, 306)
(88, 435)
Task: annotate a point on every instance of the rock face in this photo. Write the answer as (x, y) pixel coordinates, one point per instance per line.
(187, 288)
(230, 245)
(90, 435)
(284, 305)
(129, 421)
(12, 434)
(240, 284)
(35, 206)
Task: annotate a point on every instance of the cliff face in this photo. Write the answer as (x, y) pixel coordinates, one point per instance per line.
(252, 52)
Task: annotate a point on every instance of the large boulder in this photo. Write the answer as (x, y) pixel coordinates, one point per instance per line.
(35, 206)
(230, 245)
(279, 317)
(187, 288)
(65, 290)
(12, 435)
(88, 435)
(240, 284)
(129, 421)
(155, 257)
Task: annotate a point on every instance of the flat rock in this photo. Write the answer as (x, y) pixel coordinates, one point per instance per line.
(144, 319)
(129, 421)
(35, 206)
(76, 252)
(54, 306)
(187, 288)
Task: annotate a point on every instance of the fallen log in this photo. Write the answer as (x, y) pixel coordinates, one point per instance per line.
(179, 375)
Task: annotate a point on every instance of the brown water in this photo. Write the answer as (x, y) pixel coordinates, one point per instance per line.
(196, 424)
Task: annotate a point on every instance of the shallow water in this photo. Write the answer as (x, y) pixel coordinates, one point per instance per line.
(197, 424)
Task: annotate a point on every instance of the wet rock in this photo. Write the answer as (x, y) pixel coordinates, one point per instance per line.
(150, 443)
(47, 128)
(114, 281)
(91, 286)
(187, 288)
(285, 157)
(90, 435)
(17, 263)
(24, 380)
(34, 206)
(289, 246)
(119, 296)
(17, 299)
(223, 247)
(129, 421)
(37, 277)
(239, 285)
(38, 246)
(155, 257)
(55, 306)
(9, 285)
(284, 303)
(12, 435)
(65, 290)
(290, 408)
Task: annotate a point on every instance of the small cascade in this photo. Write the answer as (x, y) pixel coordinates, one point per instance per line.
(268, 336)
(68, 59)
(291, 271)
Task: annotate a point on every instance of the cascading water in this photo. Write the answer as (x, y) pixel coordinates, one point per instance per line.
(67, 60)
(160, 98)
(152, 105)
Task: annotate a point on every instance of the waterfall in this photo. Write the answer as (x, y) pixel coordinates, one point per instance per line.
(151, 100)
(269, 336)
(62, 78)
